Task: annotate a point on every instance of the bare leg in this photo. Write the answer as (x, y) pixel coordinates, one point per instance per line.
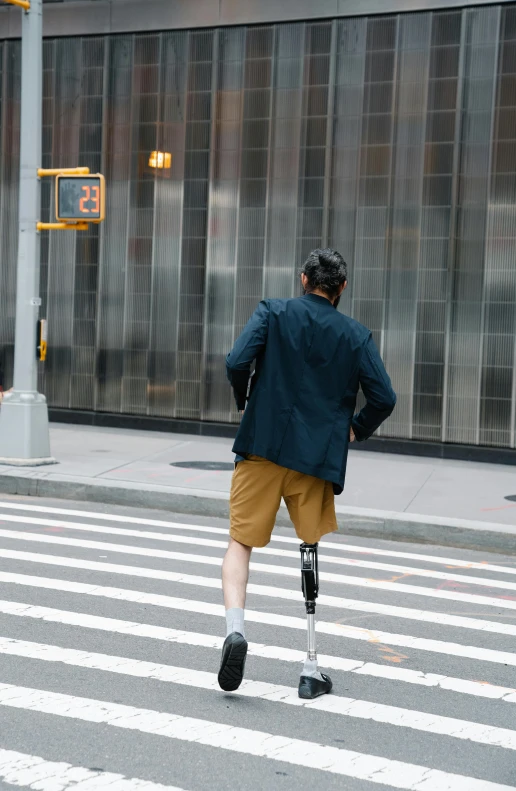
(235, 574)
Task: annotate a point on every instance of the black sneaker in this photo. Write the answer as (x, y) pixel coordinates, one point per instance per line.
(234, 653)
(310, 687)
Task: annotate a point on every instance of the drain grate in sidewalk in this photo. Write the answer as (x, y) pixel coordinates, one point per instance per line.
(216, 466)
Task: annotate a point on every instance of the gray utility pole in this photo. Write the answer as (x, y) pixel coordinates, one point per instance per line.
(24, 433)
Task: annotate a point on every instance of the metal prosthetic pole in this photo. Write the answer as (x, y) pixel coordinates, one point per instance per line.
(312, 683)
(310, 588)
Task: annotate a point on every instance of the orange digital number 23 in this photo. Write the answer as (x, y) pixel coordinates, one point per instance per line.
(84, 200)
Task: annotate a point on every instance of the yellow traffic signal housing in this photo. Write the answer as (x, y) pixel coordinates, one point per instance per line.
(80, 198)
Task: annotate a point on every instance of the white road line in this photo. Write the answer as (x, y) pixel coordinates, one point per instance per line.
(31, 771)
(288, 621)
(451, 727)
(275, 538)
(285, 553)
(285, 571)
(355, 605)
(246, 741)
(198, 639)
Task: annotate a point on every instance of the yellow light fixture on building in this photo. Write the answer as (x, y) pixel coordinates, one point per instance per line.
(161, 160)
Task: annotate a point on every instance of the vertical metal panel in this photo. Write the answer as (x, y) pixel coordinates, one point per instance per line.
(384, 40)
(10, 154)
(106, 119)
(495, 382)
(330, 129)
(257, 102)
(504, 194)
(349, 129)
(62, 246)
(403, 307)
(438, 223)
(313, 155)
(154, 329)
(92, 121)
(46, 186)
(231, 191)
(167, 227)
(468, 311)
(454, 166)
(375, 207)
(255, 169)
(281, 257)
(496, 402)
(139, 260)
(4, 262)
(259, 284)
(112, 279)
(201, 90)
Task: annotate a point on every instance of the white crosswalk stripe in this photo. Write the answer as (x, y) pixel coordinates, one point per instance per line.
(255, 649)
(264, 568)
(31, 771)
(393, 715)
(242, 740)
(378, 608)
(127, 519)
(63, 627)
(190, 605)
(284, 553)
(407, 613)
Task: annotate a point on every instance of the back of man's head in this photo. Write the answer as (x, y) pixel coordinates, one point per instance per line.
(326, 271)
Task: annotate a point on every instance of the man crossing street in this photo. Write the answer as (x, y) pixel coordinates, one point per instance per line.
(310, 361)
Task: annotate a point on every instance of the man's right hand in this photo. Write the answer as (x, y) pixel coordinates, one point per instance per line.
(351, 435)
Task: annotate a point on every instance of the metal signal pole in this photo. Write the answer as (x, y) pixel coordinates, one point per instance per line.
(24, 430)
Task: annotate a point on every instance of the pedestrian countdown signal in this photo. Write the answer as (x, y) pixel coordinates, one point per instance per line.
(80, 198)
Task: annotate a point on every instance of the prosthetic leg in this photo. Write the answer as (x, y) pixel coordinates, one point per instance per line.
(312, 683)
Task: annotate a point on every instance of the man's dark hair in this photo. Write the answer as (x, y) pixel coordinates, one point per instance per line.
(326, 271)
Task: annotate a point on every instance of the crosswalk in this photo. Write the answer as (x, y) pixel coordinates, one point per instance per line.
(111, 624)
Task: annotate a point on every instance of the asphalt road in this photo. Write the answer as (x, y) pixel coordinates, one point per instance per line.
(111, 624)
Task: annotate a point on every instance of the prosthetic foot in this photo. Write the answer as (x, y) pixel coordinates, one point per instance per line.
(312, 683)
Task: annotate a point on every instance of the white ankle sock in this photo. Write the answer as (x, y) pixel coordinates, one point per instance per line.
(310, 669)
(235, 621)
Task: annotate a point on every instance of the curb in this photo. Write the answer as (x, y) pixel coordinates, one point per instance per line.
(418, 529)
(368, 523)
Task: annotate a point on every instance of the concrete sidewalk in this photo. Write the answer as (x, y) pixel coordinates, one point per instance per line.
(386, 495)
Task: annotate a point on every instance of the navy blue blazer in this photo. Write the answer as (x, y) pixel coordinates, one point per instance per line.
(310, 362)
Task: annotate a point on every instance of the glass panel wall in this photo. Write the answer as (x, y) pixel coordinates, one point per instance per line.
(231, 153)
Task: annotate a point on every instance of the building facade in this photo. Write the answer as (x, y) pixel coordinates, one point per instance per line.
(389, 137)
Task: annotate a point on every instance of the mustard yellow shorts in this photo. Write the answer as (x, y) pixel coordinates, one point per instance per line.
(256, 491)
